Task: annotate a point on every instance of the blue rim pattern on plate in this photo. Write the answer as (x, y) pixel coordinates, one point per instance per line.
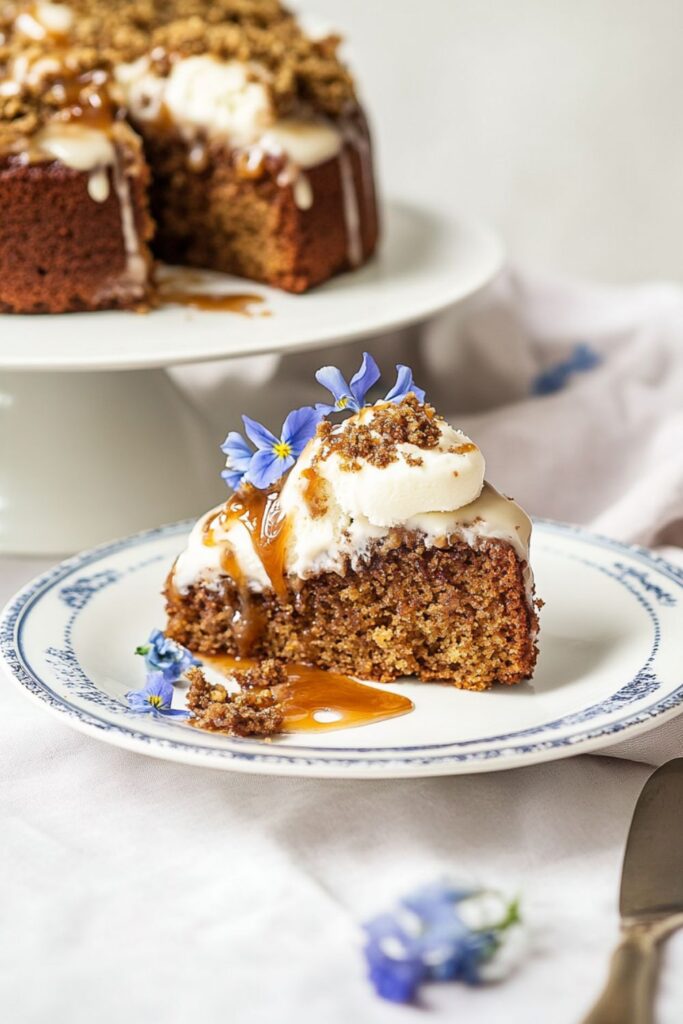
(77, 593)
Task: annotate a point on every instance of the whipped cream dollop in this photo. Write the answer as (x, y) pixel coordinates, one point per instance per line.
(336, 510)
(419, 480)
(42, 20)
(226, 100)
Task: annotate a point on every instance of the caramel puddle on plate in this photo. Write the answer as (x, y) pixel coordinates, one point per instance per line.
(318, 701)
(179, 290)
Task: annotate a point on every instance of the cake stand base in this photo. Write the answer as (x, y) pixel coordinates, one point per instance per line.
(85, 457)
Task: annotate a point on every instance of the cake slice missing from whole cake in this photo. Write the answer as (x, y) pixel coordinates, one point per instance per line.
(371, 547)
(241, 133)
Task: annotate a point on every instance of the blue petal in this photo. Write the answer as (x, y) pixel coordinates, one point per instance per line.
(267, 467)
(404, 386)
(156, 686)
(233, 478)
(395, 980)
(173, 713)
(331, 378)
(238, 451)
(299, 428)
(325, 410)
(362, 381)
(259, 434)
(137, 701)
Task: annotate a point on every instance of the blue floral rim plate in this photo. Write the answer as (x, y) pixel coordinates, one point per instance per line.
(610, 667)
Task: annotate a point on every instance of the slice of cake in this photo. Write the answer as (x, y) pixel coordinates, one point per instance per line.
(371, 546)
(242, 133)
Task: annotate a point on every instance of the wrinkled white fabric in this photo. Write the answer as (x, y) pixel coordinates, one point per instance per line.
(136, 890)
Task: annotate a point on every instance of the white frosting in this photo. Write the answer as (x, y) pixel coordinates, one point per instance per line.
(305, 143)
(45, 19)
(228, 100)
(81, 148)
(354, 242)
(363, 507)
(27, 70)
(421, 480)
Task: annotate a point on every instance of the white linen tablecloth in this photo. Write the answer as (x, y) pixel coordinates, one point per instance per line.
(136, 890)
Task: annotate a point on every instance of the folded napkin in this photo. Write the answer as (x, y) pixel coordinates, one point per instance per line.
(574, 393)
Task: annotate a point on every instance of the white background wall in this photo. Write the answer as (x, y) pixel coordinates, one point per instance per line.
(559, 121)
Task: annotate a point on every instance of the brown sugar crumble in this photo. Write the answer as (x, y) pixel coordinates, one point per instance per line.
(255, 711)
(300, 72)
(377, 441)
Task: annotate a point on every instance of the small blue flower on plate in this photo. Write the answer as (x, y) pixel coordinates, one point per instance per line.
(165, 657)
(273, 455)
(154, 698)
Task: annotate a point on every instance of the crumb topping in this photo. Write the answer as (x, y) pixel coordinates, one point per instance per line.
(255, 711)
(301, 72)
(377, 442)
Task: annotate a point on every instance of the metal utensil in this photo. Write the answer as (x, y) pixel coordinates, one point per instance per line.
(651, 900)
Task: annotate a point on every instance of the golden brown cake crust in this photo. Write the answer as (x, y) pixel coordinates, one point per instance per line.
(457, 614)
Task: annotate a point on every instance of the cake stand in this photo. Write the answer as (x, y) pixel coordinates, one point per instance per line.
(96, 439)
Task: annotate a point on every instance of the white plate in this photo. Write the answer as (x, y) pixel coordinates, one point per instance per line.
(426, 262)
(611, 666)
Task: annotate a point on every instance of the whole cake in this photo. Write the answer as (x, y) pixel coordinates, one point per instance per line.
(371, 546)
(214, 132)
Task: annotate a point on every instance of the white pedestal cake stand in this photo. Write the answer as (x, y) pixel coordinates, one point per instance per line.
(96, 441)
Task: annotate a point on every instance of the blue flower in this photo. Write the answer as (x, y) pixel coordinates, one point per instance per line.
(349, 395)
(239, 456)
(442, 932)
(555, 378)
(154, 698)
(395, 966)
(404, 386)
(165, 658)
(273, 455)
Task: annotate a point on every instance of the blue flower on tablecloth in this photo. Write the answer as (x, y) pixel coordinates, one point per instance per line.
(582, 359)
(165, 658)
(349, 395)
(404, 386)
(154, 698)
(442, 932)
(273, 455)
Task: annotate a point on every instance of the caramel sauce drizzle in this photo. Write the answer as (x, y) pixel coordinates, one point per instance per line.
(242, 303)
(261, 514)
(340, 701)
(86, 99)
(180, 289)
(268, 527)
